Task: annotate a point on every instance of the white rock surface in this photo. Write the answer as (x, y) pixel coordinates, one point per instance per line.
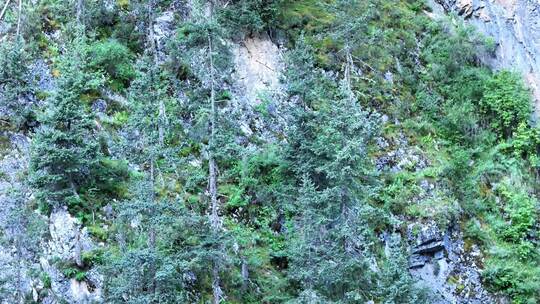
(258, 63)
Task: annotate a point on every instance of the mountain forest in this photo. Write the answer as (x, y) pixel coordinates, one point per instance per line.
(269, 151)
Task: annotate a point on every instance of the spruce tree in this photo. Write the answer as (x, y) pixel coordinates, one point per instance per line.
(331, 246)
(64, 149)
(22, 230)
(330, 250)
(202, 51)
(143, 146)
(145, 268)
(15, 84)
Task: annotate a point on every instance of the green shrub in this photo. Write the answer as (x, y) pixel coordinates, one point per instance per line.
(519, 280)
(473, 230)
(73, 272)
(15, 86)
(250, 16)
(46, 279)
(80, 275)
(113, 58)
(525, 143)
(98, 232)
(520, 210)
(506, 102)
(90, 258)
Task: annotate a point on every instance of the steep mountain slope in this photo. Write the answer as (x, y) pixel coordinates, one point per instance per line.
(514, 27)
(254, 151)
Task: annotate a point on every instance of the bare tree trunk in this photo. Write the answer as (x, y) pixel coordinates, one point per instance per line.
(19, 18)
(212, 163)
(162, 121)
(245, 274)
(154, 50)
(212, 166)
(348, 68)
(152, 230)
(214, 217)
(19, 294)
(216, 289)
(79, 11)
(73, 188)
(152, 194)
(78, 249)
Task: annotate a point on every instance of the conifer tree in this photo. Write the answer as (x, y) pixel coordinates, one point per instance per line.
(206, 55)
(143, 146)
(331, 251)
(395, 283)
(21, 231)
(15, 85)
(145, 269)
(64, 150)
(331, 246)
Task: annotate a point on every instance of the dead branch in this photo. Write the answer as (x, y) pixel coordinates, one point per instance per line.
(4, 9)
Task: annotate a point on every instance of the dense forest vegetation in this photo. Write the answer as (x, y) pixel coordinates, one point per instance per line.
(190, 208)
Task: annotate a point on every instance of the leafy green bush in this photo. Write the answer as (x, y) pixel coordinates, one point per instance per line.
(473, 230)
(520, 210)
(113, 58)
(71, 271)
(98, 232)
(526, 143)
(90, 258)
(519, 280)
(46, 279)
(506, 103)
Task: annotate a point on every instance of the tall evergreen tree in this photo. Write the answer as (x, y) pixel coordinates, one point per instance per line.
(332, 249)
(143, 146)
(144, 269)
(21, 232)
(395, 283)
(64, 149)
(207, 58)
(332, 243)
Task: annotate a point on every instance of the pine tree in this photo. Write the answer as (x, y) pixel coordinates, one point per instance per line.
(331, 249)
(332, 245)
(395, 283)
(173, 247)
(64, 150)
(21, 232)
(144, 146)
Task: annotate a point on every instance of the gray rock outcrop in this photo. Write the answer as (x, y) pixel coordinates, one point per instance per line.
(442, 262)
(34, 247)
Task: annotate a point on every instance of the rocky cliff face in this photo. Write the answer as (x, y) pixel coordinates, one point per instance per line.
(441, 259)
(514, 26)
(257, 66)
(37, 244)
(448, 266)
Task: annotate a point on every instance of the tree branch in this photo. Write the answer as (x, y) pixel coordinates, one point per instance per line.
(4, 9)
